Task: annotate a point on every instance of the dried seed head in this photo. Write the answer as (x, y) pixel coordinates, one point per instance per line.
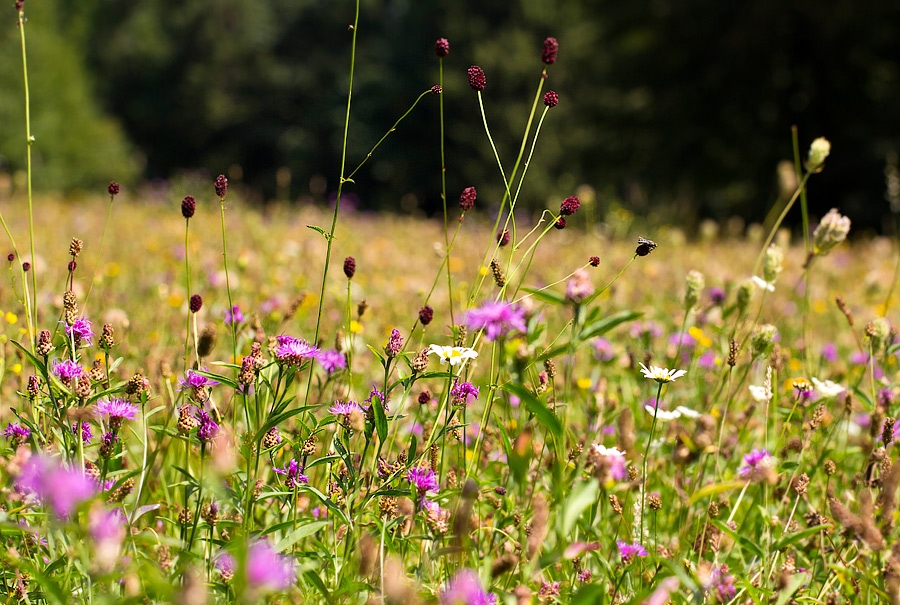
(361, 308)
(76, 247)
(420, 362)
(44, 345)
(122, 491)
(713, 509)
(137, 384)
(207, 341)
(499, 277)
(887, 431)
(839, 300)
(801, 484)
(550, 368)
(830, 467)
(733, 349)
(309, 446)
(271, 438)
(34, 387)
(460, 335)
(654, 501)
(70, 302)
(185, 517)
(106, 339)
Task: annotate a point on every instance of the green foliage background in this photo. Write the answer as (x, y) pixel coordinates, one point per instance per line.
(683, 106)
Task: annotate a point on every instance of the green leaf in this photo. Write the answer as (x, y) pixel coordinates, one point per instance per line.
(324, 233)
(218, 378)
(534, 405)
(380, 419)
(715, 488)
(742, 541)
(584, 494)
(313, 578)
(796, 581)
(590, 595)
(34, 360)
(299, 533)
(547, 296)
(796, 536)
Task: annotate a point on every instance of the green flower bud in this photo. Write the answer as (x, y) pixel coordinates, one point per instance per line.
(773, 263)
(832, 230)
(744, 292)
(694, 285)
(818, 152)
(763, 340)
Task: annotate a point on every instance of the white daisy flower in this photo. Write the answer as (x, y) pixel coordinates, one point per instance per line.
(763, 284)
(663, 414)
(827, 388)
(661, 375)
(453, 355)
(686, 411)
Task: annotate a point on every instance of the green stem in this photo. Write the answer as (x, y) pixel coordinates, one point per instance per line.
(100, 251)
(227, 287)
(444, 194)
(30, 141)
(187, 273)
(644, 464)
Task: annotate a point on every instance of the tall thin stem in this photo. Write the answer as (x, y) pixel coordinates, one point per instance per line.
(337, 202)
(228, 287)
(644, 465)
(444, 189)
(30, 305)
(100, 251)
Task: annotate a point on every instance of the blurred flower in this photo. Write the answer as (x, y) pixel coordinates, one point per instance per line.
(688, 412)
(579, 287)
(662, 414)
(773, 263)
(234, 316)
(332, 360)
(16, 435)
(661, 375)
(763, 284)
(465, 589)
(551, 47)
(831, 231)
(716, 295)
(453, 355)
(721, 586)
(827, 388)
(629, 551)
(267, 569)
(497, 319)
(829, 352)
(548, 589)
(107, 528)
(755, 461)
(603, 350)
(293, 474)
(611, 459)
(760, 393)
(819, 151)
(646, 329)
(63, 488)
(694, 283)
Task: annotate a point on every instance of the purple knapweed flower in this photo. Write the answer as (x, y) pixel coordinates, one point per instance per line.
(267, 569)
(461, 392)
(754, 461)
(580, 286)
(611, 458)
(106, 525)
(86, 434)
(721, 585)
(372, 395)
(603, 350)
(225, 564)
(208, 428)
(116, 410)
(340, 408)
(497, 319)
(67, 369)
(293, 351)
(293, 474)
(646, 329)
(80, 331)
(233, 315)
(424, 479)
(829, 352)
(332, 360)
(629, 551)
(16, 434)
(548, 589)
(392, 348)
(707, 360)
(465, 589)
(193, 380)
(62, 488)
(716, 295)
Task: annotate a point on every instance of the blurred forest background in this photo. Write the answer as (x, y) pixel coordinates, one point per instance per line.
(681, 107)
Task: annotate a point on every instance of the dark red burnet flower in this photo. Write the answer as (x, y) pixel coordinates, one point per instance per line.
(548, 54)
(221, 185)
(550, 48)
(188, 207)
(569, 206)
(560, 223)
(503, 238)
(442, 47)
(467, 199)
(72, 265)
(424, 397)
(436, 90)
(113, 188)
(476, 78)
(10, 257)
(594, 261)
(196, 303)
(426, 314)
(26, 266)
(349, 267)
(551, 99)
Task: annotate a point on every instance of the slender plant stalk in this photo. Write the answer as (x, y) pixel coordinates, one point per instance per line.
(444, 193)
(337, 202)
(100, 252)
(228, 287)
(644, 464)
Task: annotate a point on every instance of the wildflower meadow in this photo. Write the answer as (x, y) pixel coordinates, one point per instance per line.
(205, 401)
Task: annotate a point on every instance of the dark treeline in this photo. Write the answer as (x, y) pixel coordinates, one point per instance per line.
(681, 106)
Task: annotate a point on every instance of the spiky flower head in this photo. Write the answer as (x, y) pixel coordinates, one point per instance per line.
(67, 369)
(461, 392)
(442, 48)
(188, 207)
(831, 231)
(221, 185)
(116, 409)
(661, 375)
(818, 153)
(629, 551)
(551, 46)
(694, 283)
(467, 199)
(394, 345)
(80, 331)
(293, 474)
(208, 429)
(465, 589)
(476, 78)
(551, 99)
(424, 479)
(497, 318)
(341, 408)
(16, 435)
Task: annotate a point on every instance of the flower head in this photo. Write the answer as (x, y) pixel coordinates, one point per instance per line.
(551, 99)
(341, 408)
(756, 463)
(207, 429)
(117, 410)
(234, 316)
(62, 488)
(551, 46)
(497, 318)
(831, 231)
(467, 199)
(113, 188)
(16, 434)
(267, 569)
(349, 267)
(194, 380)
(465, 589)
(827, 388)
(395, 344)
(188, 207)
(629, 551)
(818, 153)
(332, 360)
(221, 185)
(452, 355)
(86, 434)
(67, 369)
(80, 331)
(580, 286)
(569, 206)
(293, 474)
(476, 78)
(661, 375)
(424, 479)
(608, 460)
(426, 314)
(461, 392)
(292, 351)
(442, 48)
